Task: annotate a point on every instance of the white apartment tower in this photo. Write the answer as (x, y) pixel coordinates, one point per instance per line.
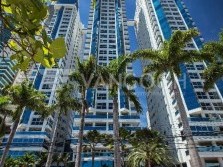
(156, 20)
(34, 133)
(106, 39)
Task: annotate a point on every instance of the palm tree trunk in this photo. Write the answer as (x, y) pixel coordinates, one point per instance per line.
(147, 163)
(117, 155)
(93, 156)
(3, 121)
(193, 152)
(81, 132)
(7, 147)
(52, 142)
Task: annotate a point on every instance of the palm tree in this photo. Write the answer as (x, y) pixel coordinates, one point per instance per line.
(22, 96)
(148, 148)
(125, 136)
(214, 72)
(148, 154)
(168, 59)
(27, 160)
(5, 111)
(10, 162)
(41, 158)
(85, 78)
(64, 157)
(64, 103)
(92, 138)
(118, 80)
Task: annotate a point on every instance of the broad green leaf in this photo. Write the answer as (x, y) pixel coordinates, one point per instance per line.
(45, 51)
(16, 67)
(46, 63)
(58, 48)
(14, 57)
(38, 57)
(24, 65)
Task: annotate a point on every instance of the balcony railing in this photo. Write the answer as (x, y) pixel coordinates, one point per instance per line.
(91, 128)
(204, 134)
(109, 116)
(197, 119)
(211, 149)
(128, 128)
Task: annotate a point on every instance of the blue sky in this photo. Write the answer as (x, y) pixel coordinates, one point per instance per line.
(208, 16)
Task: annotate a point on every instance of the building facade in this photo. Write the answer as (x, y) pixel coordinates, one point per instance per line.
(156, 20)
(7, 74)
(34, 133)
(106, 39)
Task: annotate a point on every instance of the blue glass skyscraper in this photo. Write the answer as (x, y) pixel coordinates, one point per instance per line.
(156, 21)
(106, 39)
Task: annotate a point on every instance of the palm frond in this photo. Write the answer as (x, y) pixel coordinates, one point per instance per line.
(118, 66)
(145, 54)
(65, 99)
(133, 98)
(190, 56)
(180, 38)
(131, 79)
(212, 74)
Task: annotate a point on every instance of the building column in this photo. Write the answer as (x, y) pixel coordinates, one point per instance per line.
(220, 160)
(203, 162)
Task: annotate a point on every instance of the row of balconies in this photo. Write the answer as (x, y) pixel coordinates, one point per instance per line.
(104, 128)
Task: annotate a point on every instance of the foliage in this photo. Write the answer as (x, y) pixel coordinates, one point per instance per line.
(5, 111)
(148, 148)
(171, 55)
(41, 158)
(85, 78)
(214, 72)
(10, 162)
(23, 30)
(27, 160)
(23, 161)
(65, 100)
(92, 138)
(24, 95)
(116, 78)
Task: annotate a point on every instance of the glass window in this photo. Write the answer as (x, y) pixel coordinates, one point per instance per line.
(197, 84)
(218, 106)
(101, 105)
(193, 75)
(213, 95)
(206, 106)
(200, 67)
(201, 95)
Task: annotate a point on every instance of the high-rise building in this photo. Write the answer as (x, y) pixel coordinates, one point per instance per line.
(106, 39)
(34, 133)
(156, 20)
(7, 73)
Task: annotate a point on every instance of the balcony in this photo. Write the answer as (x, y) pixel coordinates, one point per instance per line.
(127, 128)
(91, 128)
(200, 119)
(211, 149)
(204, 134)
(109, 116)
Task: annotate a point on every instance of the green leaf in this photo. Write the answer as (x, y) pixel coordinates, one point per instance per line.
(6, 8)
(58, 48)
(39, 56)
(46, 63)
(24, 65)
(14, 57)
